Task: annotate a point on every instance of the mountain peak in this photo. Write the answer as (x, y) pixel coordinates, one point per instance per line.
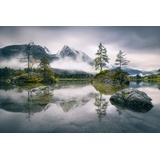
(66, 47)
(68, 52)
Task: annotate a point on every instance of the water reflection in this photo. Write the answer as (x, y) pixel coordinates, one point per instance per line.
(108, 89)
(119, 111)
(25, 100)
(73, 108)
(134, 108)
(71, 97)
(102, 105)
(31, 100)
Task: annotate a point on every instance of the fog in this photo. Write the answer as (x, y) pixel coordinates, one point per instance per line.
(17, 62)
(66, 64)
(13, 63)
(69, 64)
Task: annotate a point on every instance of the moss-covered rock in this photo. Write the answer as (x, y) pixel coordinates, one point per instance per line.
(115, 77)
(132, 99)
(34, 79)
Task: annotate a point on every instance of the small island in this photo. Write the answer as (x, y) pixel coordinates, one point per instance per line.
(81, 79)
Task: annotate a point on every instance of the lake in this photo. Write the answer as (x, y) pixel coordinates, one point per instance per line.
(74, 108)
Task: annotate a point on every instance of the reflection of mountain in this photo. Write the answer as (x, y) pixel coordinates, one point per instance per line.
(69, 96)
(73, 102)
(25, 101)
(66, 97)
(140, 84)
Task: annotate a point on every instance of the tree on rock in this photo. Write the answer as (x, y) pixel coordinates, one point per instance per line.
(102, 58)
(121, 60)
(45, 67)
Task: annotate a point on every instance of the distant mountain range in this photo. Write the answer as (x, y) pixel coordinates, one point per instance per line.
(66, 52)
(135, 72)
(38, 52)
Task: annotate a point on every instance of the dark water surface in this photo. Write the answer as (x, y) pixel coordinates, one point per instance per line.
(74, 108)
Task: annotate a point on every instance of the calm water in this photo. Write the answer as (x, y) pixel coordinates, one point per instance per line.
(74, 108)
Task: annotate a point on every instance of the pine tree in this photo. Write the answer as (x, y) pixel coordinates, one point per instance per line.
(121, 60)
(102, 58)
(45, 67)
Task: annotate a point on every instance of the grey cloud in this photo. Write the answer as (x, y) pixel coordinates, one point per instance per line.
(134, 38)
(137, 40)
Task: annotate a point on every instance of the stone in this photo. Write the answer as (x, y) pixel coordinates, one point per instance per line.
(112, 77)
(132, 99)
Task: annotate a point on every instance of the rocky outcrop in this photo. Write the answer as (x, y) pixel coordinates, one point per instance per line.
(113, 77)
(132, 99)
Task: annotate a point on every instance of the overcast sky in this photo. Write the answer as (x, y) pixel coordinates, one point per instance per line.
(141, 44)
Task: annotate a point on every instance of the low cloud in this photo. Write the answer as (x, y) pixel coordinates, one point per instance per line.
(69, 64)
(13, 63)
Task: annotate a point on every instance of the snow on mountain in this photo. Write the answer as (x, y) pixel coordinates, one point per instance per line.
(142, 73)
(75, 55)
(47, 50)
(66, 58)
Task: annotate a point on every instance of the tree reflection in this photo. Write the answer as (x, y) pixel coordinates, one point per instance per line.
(37, 99)
(102, 105)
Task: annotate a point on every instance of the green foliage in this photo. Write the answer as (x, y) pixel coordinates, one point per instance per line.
(47, 71)
(7, 72)
(102, 58)
(45, 67)
(121, 60)
(76, 75)
(101, 73)
(19, 72)
(115, 76)
(43, 74)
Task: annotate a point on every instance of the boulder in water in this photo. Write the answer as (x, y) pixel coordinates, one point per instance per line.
(132, 99)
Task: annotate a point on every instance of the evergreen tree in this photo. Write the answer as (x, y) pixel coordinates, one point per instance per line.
(19, 72)
(45, 67)
(121, 60)
(102, 58)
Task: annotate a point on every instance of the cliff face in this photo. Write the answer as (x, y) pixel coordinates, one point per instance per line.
(112, 77)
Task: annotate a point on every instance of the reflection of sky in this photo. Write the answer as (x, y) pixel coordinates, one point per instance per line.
(13, 95)
(74, 92)
(152, 93)
(79, 119)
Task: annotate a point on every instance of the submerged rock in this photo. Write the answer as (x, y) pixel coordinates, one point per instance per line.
(132, 99)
